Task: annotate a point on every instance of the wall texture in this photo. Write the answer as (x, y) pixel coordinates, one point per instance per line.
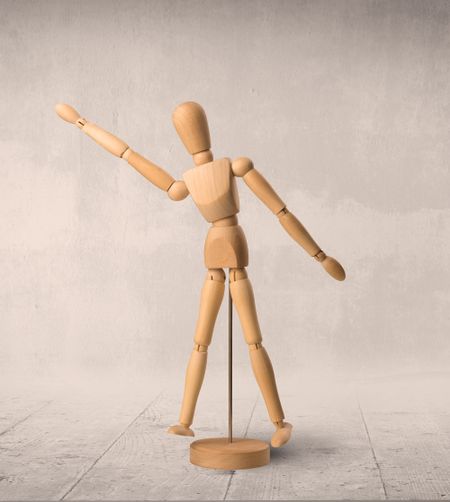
(344, 106)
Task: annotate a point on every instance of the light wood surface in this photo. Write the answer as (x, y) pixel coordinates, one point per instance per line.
(178, 190)
(241, 166)
(210, 300)
(67, 113)
(226, 247)
(282, 434)
(213, 189)
(151, 171)
(265, 376)
(195, 373)
(263, 190)
(219, 453)
(298, 232)
(191, 124)
(244, 300)
(201, 158)
(381, 439)
(105, 139)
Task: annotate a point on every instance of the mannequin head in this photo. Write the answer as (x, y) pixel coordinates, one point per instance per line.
(191, 124)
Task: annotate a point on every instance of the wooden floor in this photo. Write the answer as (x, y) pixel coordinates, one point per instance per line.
(380, 439)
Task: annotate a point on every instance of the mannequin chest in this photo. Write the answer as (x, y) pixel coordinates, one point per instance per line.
(213, 188)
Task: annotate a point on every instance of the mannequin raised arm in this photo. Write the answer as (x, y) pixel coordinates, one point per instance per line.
(243, 168)
(176, 190)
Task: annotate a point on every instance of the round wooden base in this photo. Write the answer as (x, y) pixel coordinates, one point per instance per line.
(219, 453)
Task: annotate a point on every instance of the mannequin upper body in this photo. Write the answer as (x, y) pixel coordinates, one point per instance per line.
(212, 186)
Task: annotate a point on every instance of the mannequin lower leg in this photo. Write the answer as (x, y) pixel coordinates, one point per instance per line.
(194, 378)
(263, 370)
(211, 298)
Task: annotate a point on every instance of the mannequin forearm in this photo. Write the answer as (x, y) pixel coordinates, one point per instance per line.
(298, 232)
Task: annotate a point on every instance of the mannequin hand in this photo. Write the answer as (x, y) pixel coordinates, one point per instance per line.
(67, 113)
(332, 266)
(105, 139)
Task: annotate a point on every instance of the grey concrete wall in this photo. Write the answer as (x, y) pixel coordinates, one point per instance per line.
(344, 106)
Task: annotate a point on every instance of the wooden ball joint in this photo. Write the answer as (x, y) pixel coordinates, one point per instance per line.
(213, 188)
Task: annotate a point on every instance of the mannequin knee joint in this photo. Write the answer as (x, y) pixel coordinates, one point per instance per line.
(255, 346)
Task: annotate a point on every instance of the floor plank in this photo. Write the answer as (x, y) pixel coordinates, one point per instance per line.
(351, 441)
(409, 425)
(43, 456)
(328, 457)
(16, 409)
(148, 464)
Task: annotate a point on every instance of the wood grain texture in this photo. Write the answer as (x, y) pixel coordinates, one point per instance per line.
(221, 453)
(263, 190)
(390, 439)
(408, 421)
(105, 139)
(16, 409)
(213, 188)
(298, 232)
(148, 464)
(44, 456)
(155, 174)
(191, 124)
(328, 456)
(226, 247)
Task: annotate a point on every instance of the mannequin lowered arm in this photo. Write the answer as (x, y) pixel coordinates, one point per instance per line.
(176, 190)
(243, 167)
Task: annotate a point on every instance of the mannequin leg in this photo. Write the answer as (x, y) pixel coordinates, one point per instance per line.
(211, 298)
(242, 295)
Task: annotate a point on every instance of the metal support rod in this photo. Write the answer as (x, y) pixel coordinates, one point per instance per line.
(230, 363)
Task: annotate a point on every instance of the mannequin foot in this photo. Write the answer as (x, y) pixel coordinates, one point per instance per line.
(180, 430)
(282, 435)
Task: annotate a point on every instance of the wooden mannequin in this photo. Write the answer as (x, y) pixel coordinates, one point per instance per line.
(212, 186)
